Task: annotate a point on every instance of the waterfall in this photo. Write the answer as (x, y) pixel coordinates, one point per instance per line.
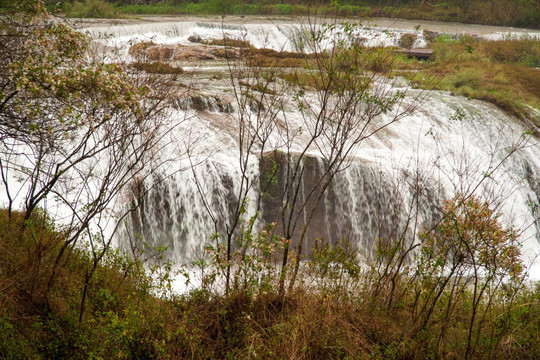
(277, 36)
(272, 36)
(449, 144)
(404, 172)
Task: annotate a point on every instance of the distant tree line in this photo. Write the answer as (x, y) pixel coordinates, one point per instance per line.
(464, 4)
(520, 13)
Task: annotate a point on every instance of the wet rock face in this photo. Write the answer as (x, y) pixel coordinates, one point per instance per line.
(287, 201)
(360, 205)
(154, 212)
(194, 39)
(533, 179)
(206, 103)
(173, 216)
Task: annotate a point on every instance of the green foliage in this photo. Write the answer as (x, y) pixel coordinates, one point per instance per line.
(494, 71)
(283, 9)
(493, 12)
(336, 269)
(342, 308)
(466, 272)
(270, 166)
(470, 232)
(252, 261)
(407, 40)
(99, 9)
(125, 319)
(460, 296)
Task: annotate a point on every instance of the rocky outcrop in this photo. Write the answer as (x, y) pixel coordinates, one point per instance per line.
(178, 52)
(360, 205)
(209, 103)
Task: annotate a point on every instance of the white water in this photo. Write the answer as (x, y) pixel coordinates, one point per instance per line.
(287, 36)
(278, 36)
(449, 144)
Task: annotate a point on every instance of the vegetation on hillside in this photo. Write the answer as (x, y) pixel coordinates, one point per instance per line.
(504, 73)
(461, 297)
(520, 13)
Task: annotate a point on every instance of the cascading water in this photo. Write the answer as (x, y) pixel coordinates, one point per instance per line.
(405, 171)
(276, 36)
(449, 144)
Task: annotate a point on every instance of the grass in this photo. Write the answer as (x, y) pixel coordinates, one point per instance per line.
(501, 72)
(41, 321)
(228, 42)
(125, 319)
(157, 67)
(276, 59)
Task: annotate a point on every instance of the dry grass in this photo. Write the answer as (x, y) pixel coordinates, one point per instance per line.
(228, 42)
(157, 67)
(123, 319)
(138, 50)
(299, 326)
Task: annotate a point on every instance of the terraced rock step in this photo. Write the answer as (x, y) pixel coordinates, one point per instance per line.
(417, 53)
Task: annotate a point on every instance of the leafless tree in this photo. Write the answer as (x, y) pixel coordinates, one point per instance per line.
(339, 89)
(74, 130)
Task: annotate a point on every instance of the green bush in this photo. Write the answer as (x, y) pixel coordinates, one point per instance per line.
(248, 9)
(92, 9)
(283, 9)
(407, 40)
